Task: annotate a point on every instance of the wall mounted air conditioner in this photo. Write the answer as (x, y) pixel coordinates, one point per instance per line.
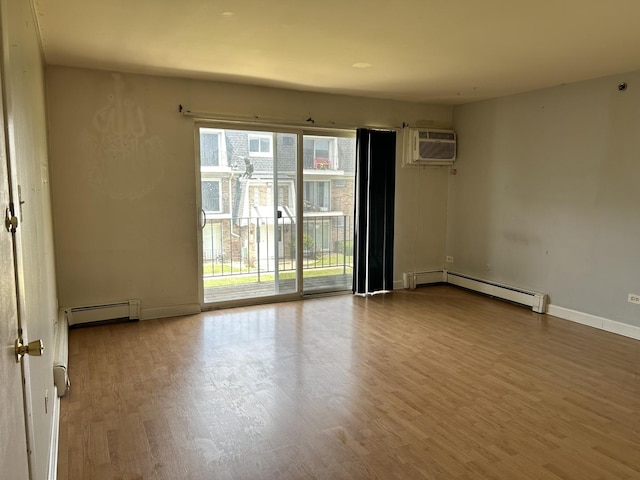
(431, 147)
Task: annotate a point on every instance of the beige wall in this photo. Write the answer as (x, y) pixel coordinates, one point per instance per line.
(24, 78)
(123, 176)
(547, 194)
(421, 219)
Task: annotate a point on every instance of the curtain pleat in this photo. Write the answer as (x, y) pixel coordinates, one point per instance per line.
(374, 211)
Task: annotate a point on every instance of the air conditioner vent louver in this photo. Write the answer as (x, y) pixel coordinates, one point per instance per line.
(438, 135)
(430, 147)
(437, 150)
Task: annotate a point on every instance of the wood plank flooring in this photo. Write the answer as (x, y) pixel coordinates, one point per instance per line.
(435, 383)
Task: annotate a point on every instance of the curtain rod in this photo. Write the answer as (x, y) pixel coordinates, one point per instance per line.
(308, 123)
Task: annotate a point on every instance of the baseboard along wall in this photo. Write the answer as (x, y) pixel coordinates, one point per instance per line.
(533, 299)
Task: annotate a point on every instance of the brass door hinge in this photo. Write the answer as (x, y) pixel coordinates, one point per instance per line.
(10, 220)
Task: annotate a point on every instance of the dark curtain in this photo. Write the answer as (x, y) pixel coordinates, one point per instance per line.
(375, 189)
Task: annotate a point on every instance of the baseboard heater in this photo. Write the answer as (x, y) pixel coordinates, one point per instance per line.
(125, 310)
(535, 300)
(61, 356)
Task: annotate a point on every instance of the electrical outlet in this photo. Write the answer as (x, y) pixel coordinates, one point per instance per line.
(633, 298)
(449, 259)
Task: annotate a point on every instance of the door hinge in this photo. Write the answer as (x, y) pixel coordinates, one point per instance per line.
(10, 220)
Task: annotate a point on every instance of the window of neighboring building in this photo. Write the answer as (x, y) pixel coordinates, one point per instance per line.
(317, 196)
(211, 201)
(260, 145)
(210, 148)
(319, 152)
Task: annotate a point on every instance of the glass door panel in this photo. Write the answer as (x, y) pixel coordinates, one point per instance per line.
(248, 222)
(327, 213)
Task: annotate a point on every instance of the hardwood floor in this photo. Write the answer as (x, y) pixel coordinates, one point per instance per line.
(435, 383)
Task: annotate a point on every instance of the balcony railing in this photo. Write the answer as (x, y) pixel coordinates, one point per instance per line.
(256, 245)
(320, 163)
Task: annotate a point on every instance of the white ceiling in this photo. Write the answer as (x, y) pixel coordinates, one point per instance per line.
(446, 51)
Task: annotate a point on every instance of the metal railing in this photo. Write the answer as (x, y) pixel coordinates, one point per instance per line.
(256, 245)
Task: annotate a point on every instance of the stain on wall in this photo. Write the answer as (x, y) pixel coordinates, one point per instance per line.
(124, 161)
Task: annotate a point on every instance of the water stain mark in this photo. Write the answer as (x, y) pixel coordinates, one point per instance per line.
(124, 162)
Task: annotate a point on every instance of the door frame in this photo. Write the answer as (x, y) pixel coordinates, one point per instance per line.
(300, 131)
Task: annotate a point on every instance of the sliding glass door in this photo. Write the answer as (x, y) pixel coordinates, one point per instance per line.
(260, 232)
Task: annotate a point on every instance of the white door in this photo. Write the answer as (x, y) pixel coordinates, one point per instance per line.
(13, 445)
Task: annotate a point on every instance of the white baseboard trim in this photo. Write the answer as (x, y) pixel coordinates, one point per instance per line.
(53, 442)
(430, 278)
(594, 321)
(172, 311)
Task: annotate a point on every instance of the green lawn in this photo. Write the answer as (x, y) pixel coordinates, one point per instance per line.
(328, 260)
